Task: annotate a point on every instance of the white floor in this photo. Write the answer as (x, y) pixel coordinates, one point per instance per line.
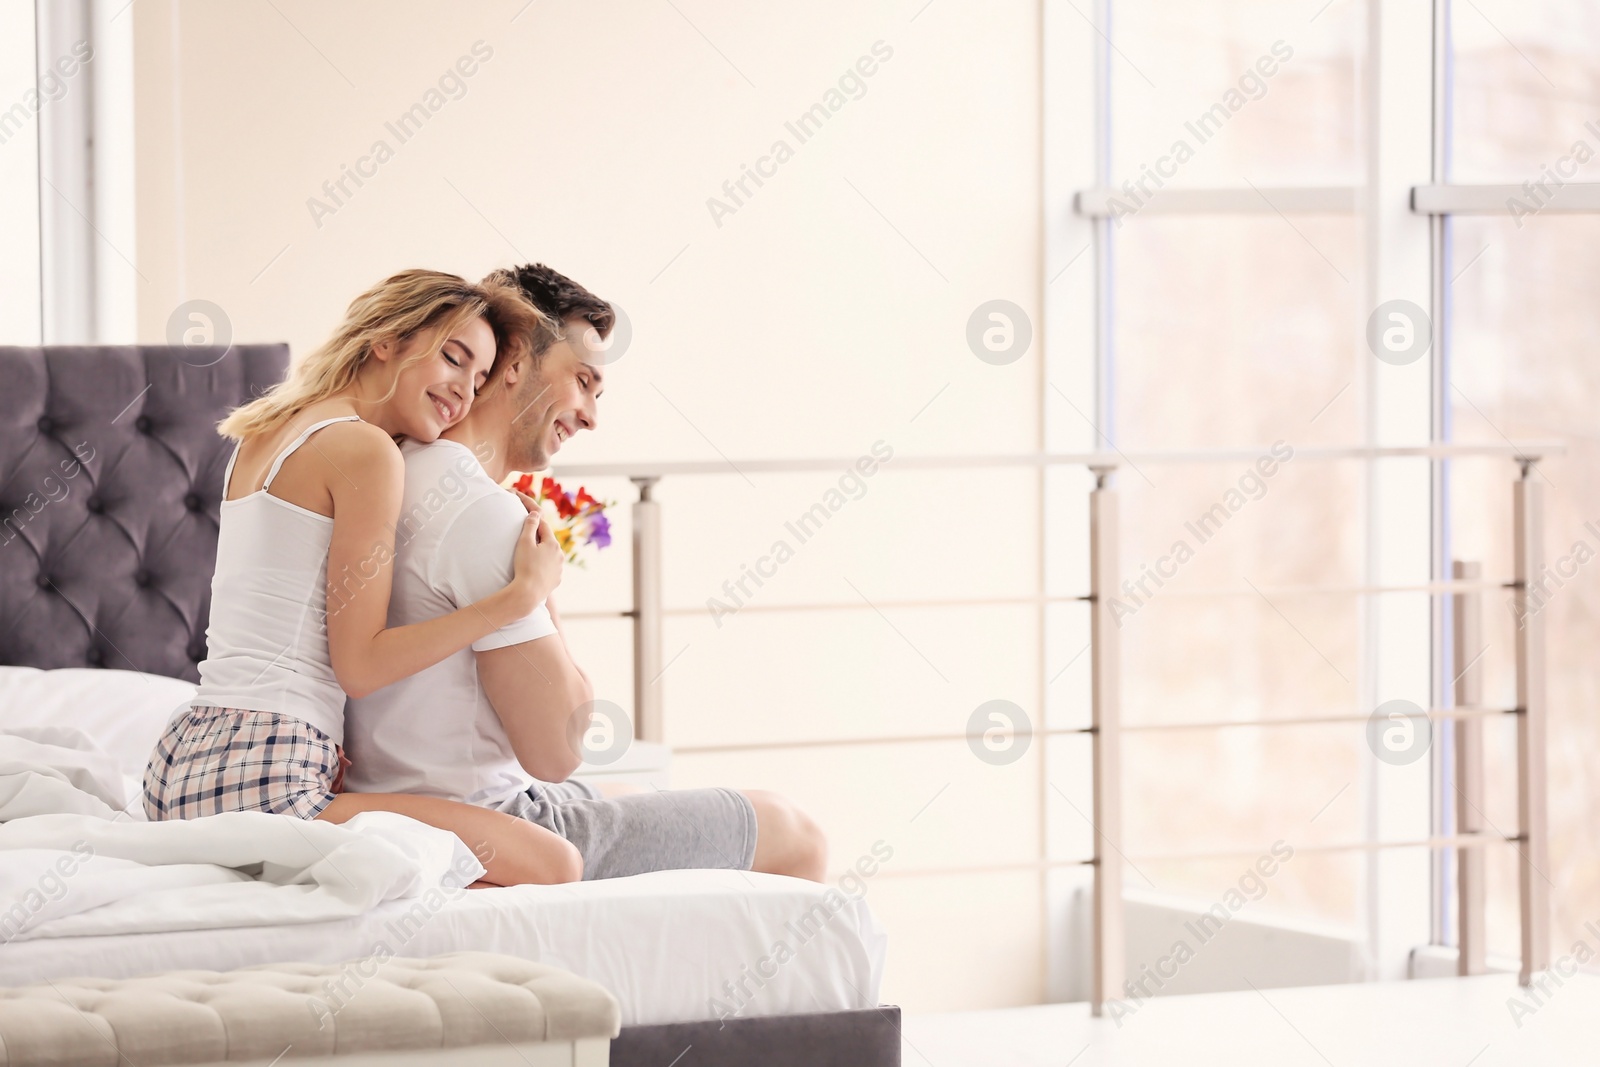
(1451, 1022)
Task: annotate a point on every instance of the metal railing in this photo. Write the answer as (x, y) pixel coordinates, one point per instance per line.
(1107, 964)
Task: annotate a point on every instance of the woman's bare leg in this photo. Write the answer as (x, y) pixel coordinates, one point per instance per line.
(513, 851)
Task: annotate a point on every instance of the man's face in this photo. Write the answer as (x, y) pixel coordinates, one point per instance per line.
(558, 399)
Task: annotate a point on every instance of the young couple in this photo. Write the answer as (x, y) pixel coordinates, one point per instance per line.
(465, 706)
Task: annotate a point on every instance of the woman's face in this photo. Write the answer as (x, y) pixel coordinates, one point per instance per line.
(433, 395)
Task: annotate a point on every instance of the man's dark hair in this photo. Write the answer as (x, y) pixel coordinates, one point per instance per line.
(558, 296)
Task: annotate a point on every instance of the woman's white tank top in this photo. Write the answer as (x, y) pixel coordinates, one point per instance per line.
(267, 641)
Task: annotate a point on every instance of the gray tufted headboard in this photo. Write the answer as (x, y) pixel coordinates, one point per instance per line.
(110, 480)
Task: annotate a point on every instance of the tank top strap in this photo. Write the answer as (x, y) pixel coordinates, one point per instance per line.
(305, 434)
(227, 472)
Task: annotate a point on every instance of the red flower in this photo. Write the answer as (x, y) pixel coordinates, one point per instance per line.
(552, 491)
(524, 484)
(584, 500)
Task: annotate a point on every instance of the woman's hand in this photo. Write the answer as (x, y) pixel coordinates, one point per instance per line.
(536, 562)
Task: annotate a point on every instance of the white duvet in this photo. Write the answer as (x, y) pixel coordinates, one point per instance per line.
(74, 862)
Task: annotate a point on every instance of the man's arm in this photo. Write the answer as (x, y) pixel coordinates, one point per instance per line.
(538, 691)
(561, 631)
(524, 667)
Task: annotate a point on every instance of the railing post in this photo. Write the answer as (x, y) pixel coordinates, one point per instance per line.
(647, 704)
(1468, 645)
(1532, 804)
(1108, 942)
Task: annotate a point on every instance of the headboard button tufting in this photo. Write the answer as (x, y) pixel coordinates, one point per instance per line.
(132, 482)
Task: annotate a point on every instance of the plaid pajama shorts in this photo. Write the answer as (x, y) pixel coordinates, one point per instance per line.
(212, 760)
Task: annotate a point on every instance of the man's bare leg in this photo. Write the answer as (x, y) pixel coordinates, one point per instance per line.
(787, 840)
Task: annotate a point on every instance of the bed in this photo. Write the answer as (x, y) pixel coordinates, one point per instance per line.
(110, 481)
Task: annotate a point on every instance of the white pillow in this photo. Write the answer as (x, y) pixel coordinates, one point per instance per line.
(124, 712)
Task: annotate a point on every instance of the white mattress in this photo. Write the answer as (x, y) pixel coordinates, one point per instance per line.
(674, 946)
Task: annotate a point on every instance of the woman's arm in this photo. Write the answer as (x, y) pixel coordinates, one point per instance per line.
(366, 478)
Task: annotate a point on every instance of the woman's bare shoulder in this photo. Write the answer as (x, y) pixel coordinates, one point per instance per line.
(358, 445)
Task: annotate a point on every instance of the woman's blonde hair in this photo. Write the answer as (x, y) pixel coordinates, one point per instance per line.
(406, 305)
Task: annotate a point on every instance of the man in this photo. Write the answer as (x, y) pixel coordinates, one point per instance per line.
(499, 724)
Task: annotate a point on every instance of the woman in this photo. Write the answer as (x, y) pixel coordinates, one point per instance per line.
(312, 491)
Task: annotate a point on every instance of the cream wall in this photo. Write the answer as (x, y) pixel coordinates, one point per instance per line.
(827, 313)
(19, 178)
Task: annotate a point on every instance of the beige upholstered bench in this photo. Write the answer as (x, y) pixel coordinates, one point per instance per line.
(483, 1008)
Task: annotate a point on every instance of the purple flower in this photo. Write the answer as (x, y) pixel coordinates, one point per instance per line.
(599, 532)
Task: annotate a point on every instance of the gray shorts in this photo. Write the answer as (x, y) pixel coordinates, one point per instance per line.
(659, 830)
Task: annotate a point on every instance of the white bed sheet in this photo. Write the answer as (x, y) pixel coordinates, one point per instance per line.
(673, 946)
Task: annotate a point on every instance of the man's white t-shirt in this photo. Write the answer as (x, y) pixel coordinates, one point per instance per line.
(435, 733)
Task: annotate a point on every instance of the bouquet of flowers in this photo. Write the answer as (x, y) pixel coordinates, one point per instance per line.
(580, 520)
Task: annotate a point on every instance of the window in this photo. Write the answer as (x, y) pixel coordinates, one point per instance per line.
(1235, 265)
(1523, 318)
